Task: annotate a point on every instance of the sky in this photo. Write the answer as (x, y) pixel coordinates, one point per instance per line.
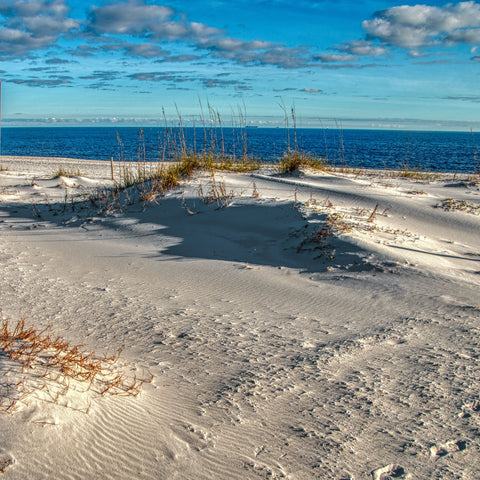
(350, 63)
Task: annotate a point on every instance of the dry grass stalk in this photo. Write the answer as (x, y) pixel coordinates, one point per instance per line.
(65, 172)
(372, 215)
(335, 224)
(217, 193)
(53, 360)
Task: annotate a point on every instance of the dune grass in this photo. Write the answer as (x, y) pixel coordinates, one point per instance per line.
(294, 159)
(175, 161)
(50, 365)
(65, 172)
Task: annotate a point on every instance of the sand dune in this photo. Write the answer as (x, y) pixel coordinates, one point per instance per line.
(316, 325)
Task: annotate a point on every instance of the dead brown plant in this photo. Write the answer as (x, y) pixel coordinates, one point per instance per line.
(54, 363)
(450, 205)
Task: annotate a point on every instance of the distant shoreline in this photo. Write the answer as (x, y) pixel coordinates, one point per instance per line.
(102, 168)
(465, 130)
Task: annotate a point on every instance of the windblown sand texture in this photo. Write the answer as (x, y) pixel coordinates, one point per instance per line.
(321, 325)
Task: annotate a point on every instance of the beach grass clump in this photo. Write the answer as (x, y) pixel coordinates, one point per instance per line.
(168, 173)
(52, 365)
(145, 181)
(450, 205)
(65, 172)
(416, 174)
(216, 193)
(292, 160)
(335, 224)
(230, 164)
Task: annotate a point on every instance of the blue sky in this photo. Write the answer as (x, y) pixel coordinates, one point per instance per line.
(354, 63)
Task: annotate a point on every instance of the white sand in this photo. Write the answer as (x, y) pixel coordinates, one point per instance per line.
(355, 356)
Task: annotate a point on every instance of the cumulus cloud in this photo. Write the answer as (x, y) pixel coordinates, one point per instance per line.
(157, 23)
(32, 25)
(421, 25)
(32, 8)
(361, 47)
(135, 17)
(132, 17)
(468, 36)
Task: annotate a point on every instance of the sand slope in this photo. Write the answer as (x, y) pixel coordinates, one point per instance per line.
(320, 325)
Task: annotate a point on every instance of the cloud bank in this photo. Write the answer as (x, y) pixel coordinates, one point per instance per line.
(135, 29)
(33, 25)
(421, 25)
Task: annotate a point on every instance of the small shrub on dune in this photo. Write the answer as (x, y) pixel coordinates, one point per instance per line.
(294, 159)
(65, 172)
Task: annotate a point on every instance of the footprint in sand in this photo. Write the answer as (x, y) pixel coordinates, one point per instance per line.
(446, 448)
(389, 472)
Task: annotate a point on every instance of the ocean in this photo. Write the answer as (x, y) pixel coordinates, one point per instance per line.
(433, 151)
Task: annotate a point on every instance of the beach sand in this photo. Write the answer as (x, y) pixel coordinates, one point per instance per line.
(305, 326)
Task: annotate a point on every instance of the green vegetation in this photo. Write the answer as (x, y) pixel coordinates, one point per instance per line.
(65, 172)
(295, 159)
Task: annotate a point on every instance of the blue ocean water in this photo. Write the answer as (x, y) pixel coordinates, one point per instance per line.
(434, 151)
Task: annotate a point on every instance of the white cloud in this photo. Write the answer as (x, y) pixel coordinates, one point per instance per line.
(33, 8)
(421, 25)
(32, 25)
(135, 17)
(361, 47)
(468, 36)
(130, 17)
